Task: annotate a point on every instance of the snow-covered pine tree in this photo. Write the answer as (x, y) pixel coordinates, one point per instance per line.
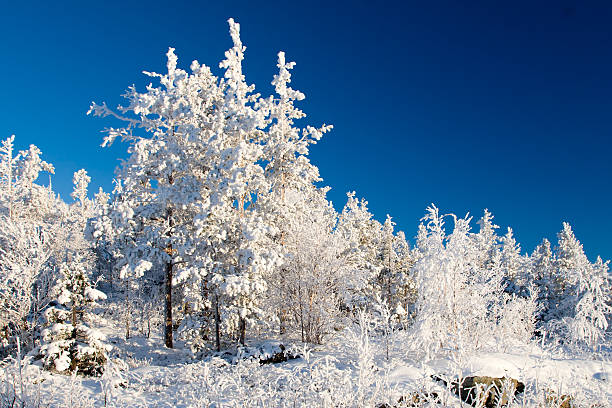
(487, 242)
(163, 182)
(361, 232)
(79, 212)
(542, 277)
(578, 306)
(394, 282)
(68, 343)
(388, 258)
(405, 286)
(592, 310)
(570, 264)
(512, 264)
(192, 181)
(242, 256)
(98, 231)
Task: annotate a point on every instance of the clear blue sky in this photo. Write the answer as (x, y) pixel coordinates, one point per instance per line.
(506, 107)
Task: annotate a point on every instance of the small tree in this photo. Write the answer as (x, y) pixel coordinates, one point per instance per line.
(68, 343)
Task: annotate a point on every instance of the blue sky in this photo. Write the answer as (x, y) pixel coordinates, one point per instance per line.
(506, 107)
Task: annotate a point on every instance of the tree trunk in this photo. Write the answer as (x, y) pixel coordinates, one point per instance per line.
(169, 266)
(282, 329)
(242, 329)
(168, 325)
(128, 312)
(217, 324)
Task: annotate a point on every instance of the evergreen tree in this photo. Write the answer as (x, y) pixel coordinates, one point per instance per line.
(592, 310)
(487, 242)
(579, 309)
(68, 344)
(163, 184)
(542, 276)
(512, 264)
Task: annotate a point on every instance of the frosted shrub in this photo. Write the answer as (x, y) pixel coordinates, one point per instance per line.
(16, 388)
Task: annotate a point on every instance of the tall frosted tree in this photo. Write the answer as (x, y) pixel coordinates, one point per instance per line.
(190, 183)
(164, 178)
(290, 180)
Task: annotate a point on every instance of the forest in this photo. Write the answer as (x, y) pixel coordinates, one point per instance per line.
(218, 250)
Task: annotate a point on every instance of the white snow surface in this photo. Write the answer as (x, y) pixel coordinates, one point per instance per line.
(143, 373)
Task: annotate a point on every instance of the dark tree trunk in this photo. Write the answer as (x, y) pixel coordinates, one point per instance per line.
(242, 329)
(169, 271)
(168, 325)
(129, 311)
(217, 324)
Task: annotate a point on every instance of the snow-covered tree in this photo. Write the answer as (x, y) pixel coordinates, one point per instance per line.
(578, 308)
(541, 264)
(163, 182)
(68, 343)
(395, 282)
(461, 302)
(24, 253)
(592, 310)
(361, 233)
(192, 182)
(570, 265)
(316, 275)
(289, 176)
(512, 264)
(438, 283)
(487, 242)
(8, 168)
(30, 236)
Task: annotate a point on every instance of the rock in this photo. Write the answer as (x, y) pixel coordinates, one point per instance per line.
(485, 390)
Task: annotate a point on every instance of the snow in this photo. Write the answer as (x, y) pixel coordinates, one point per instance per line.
(147, 375)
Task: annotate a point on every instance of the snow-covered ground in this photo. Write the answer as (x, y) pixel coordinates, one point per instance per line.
(348, 371)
